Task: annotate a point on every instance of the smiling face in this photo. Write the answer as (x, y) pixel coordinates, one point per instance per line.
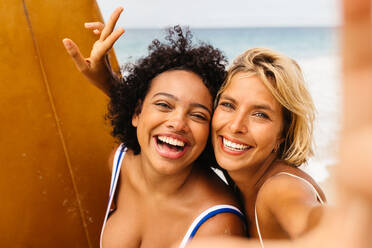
(247, 124)
(173, 125)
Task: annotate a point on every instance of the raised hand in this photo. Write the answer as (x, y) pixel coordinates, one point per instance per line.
(96, 67)
(355, 150)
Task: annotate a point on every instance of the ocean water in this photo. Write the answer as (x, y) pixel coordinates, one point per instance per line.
(314, 48)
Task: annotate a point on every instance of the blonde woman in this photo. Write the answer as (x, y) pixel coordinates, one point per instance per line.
(349, 222)
(262, 131)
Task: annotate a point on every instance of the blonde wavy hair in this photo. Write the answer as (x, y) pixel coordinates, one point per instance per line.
(283, 77)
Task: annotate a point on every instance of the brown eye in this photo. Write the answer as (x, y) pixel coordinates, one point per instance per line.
(163, 105)
(261, 115)
(200, 117)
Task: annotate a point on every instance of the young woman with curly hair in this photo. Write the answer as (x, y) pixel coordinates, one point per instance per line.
(162, 186)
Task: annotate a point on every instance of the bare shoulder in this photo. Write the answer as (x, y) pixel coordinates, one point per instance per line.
(287, 187)
(212, 191)
(289, 183)
(289, 200)
(222, 224)
(111, 157)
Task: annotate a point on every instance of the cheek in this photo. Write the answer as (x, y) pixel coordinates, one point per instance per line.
(147, 120)
(216, 120)
(201, 134)
(266, 136)
(151, 115)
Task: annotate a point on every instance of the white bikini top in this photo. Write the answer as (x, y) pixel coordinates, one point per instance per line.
(289, 174)
(198, 221)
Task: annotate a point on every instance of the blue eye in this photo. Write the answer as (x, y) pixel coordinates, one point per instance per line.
(227, 105)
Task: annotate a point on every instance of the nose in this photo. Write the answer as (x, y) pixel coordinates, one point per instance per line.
(238, 123)
(177, 122)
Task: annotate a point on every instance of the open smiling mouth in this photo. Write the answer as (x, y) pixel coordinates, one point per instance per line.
(230, 146)
(170, 147)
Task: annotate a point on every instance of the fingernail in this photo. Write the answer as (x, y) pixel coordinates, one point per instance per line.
(67, 43)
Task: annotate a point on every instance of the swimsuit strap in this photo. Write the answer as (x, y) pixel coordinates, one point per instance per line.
(305, 181)
(116, 166)
(207, 214)
(258, 227)
(292, 175)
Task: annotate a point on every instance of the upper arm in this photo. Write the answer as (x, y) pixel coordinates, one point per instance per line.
(293, 204)
(222, 224)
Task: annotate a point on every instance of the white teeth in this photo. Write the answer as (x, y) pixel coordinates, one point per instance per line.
(234, 146)
(171, 141)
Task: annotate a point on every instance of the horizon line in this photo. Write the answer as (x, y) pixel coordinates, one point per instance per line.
(235, 27)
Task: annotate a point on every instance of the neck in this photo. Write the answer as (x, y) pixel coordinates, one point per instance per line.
(249, 180)
(157, 183)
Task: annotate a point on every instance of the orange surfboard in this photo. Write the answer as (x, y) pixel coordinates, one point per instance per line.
(54, 140)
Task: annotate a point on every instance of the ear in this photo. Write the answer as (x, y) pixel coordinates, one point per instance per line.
(136, 114)
(135, 120)
(279, 141)
(277, 145)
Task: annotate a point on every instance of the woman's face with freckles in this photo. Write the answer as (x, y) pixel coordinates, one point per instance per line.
(247, 123)
(173, 125)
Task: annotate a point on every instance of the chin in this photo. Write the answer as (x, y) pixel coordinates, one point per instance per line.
(168, 169)
(228, 164)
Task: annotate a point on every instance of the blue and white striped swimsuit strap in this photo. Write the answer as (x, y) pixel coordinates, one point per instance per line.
(116, 166)
(207, 214)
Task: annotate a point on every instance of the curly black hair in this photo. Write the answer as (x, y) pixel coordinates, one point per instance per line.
(177, 53)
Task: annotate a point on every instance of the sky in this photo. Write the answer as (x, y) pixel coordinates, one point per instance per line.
(224, 13)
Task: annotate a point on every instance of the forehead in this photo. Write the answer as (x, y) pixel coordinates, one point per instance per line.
(183, 84)
(249, 88)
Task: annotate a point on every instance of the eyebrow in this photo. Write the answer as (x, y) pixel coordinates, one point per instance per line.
(195, 105)
(226, 97)
(263, 106)
(255, 106)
